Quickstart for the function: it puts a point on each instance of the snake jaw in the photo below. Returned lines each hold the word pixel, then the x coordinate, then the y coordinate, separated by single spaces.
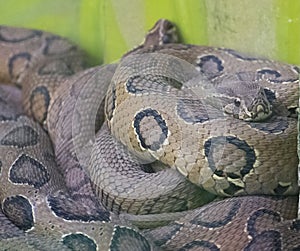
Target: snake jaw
pixel 261 113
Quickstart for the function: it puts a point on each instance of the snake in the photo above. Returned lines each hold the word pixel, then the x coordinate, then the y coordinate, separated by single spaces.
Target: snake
pixel 137 155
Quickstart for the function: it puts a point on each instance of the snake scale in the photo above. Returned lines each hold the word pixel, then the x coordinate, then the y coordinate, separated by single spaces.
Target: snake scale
pixel 179 124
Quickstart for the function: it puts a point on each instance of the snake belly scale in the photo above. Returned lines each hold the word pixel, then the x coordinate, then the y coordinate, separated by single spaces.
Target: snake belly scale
pixel 180 124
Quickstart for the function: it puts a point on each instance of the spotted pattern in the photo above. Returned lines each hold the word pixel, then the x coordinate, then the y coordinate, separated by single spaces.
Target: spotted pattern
pixel 192 111
pixel 56 45
pixel 78 242
pixel 26 170
pixel 9 111
pixel 210 65
pixel 273 76
pixel 39 102
pixel 151 84
pixel 151 129
pixel 277 125
pixel 268 74
pixel 23 136
pixel 58 67
pixel 257 216
pixel 64 207
pixel 125 238
pixel 270 239
pixel 19 210
pixel 173 228
pixel 204 217
pixel 21 58
pixel 131 85
pixel 212 143
pixel 18 37
pixel 267 240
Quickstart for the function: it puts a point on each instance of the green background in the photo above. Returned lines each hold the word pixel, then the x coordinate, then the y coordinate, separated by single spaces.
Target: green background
pixel 108 28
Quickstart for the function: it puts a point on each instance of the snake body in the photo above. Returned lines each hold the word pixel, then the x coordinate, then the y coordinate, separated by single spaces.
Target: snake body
pixel 48 192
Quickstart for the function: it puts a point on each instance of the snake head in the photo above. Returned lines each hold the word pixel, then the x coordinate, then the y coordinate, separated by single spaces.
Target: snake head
pixel 163 32
pixel 248 101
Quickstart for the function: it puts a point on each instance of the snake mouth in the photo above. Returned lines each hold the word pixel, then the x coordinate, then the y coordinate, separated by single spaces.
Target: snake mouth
pixel 258 113
pixel 255 113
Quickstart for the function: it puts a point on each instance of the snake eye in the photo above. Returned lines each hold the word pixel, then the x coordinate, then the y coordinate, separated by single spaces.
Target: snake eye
pixel 237 102
pixel 166 39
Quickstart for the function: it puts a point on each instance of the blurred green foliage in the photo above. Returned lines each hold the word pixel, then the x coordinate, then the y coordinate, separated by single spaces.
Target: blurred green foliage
pixel 108 28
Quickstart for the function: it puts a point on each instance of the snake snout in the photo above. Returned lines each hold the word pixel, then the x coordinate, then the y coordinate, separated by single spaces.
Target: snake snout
pixel 261 111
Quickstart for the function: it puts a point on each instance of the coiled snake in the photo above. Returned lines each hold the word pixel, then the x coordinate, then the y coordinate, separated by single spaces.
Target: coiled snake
pixel 179 120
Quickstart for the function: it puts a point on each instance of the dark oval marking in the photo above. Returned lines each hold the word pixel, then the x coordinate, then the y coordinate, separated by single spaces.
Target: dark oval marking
pixel 56 67
pixel 19 210
pixel 260 213
pixel 51 40
pixel 192 111
pixel 65 207
pixel 131 85
pixel 30 34
pixel 273 76
pixel 268 74
pixel 22 55
pixel 209 210
pixel 274 125
pixel 267 240
pixel 20 137
pixel 201 244
pixel 214 142
pixel 210 65
pixel 151 83
pixel 39 110
pixel 126 237
pixel 155 145
pixel 78 242
pixel 27 170
pixel 169 231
